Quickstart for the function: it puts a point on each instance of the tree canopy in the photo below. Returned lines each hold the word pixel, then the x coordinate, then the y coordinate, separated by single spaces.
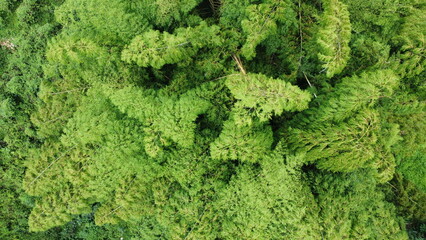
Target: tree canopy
pixel 212 119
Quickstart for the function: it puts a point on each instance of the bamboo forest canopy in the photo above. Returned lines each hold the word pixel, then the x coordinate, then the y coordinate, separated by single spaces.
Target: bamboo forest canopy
pixel 213 119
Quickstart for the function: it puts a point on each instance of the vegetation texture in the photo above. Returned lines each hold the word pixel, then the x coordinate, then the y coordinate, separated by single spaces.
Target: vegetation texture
pixel 212 119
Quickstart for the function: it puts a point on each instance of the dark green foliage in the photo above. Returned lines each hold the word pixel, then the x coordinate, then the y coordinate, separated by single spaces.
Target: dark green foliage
pixel 363 215
pixel 414 168
pixel 409 113
pixel 230 119
pixel 410 199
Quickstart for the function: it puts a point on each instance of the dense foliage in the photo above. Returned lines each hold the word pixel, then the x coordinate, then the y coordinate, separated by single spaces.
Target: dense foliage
pixel 212 119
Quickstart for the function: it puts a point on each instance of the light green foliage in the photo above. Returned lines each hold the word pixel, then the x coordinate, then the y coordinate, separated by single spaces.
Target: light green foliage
pixel 184 196
pixel 94 141
pixel 132 201
pixel 168 12
pixel 178 117
pixel 258 26
pixel 384 161
pixel 165 118
pixel 260 22
pixel 245 143
pixel 271 203
pixel 96 63
pixel 343 147
pixel 380 29
pixel 46 164
pixel 412 38
pixel 349 96
pixel 60 98
pixel 341 127
pixel 50 212
pixel 333 37
pixel 137 103
pixel 175 204
pixel 113 21
pixel 157 49
pixel 263 96
pixel 128 119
